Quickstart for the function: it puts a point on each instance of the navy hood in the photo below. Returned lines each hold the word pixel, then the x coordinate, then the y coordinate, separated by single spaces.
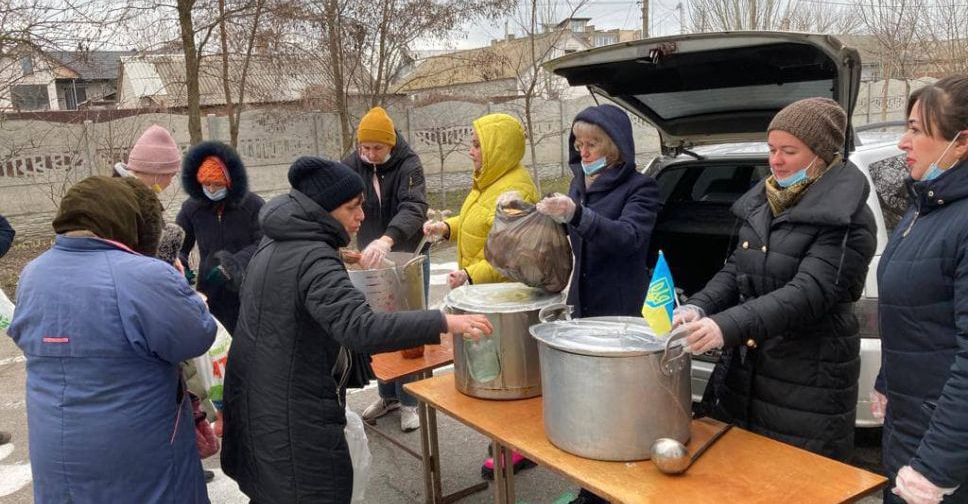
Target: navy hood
pixel 193 160
pixel 617 126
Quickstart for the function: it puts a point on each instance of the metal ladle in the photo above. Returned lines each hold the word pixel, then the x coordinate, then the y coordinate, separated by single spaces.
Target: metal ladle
pixel 672 457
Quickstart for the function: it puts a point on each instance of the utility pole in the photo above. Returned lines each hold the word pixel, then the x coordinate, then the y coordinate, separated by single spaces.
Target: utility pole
pixel 682 18
pixel 645 19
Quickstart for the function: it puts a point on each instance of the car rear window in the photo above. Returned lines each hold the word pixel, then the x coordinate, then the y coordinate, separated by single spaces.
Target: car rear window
pixel 714 183
pixel 889 176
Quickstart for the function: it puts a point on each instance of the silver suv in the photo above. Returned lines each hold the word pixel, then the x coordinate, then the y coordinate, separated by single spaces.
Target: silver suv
pixel 711 97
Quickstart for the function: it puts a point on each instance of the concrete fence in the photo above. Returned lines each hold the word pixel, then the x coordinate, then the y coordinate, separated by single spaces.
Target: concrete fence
pixel 40 160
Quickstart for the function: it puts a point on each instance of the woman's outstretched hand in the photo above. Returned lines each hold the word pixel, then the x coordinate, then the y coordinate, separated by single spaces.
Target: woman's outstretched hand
pixel 473 326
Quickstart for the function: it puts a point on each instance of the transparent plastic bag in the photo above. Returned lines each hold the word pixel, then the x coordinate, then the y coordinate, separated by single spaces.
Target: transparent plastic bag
pixel 6 311
pixel 359 454
pixel 527 246
pixel 210 366
pixel 482 359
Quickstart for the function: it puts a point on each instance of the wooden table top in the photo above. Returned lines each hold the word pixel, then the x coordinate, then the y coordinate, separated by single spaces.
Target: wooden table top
pixel 740 467
pixel 391 366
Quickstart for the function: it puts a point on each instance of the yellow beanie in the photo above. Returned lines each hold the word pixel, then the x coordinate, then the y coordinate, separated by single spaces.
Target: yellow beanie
pixel 376 126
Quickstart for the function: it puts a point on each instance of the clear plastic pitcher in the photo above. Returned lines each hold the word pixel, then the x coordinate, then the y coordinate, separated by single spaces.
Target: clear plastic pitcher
pixel 482 358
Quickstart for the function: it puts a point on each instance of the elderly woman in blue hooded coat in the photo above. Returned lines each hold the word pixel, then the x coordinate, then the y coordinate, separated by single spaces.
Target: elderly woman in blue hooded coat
pixel 610 210
pixel 103 325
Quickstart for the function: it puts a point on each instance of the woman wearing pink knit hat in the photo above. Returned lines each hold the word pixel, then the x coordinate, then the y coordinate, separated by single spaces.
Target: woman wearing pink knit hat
pixel 154 159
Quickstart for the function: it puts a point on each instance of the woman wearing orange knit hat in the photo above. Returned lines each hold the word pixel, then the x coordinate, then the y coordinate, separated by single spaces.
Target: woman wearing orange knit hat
pixel 222 217
pixel 395 208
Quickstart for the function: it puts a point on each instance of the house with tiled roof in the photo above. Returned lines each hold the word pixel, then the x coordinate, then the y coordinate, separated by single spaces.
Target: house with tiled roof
pixel 501 70
pixel 158 81
pixel 32 80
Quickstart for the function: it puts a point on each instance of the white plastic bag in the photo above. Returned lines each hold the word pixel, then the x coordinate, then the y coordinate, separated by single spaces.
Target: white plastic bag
pixel 210 366
pixel 359 453
pixel 6 311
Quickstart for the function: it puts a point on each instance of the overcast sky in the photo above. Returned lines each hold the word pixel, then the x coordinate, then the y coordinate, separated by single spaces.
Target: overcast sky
pixel 605 14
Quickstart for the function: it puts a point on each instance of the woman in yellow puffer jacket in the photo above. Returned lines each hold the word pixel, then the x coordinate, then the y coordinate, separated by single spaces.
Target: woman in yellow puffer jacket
pixel 496 149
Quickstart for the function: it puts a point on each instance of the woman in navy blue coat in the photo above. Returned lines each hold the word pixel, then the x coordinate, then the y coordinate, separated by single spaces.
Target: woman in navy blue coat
pixel 610 211
pixel 923 284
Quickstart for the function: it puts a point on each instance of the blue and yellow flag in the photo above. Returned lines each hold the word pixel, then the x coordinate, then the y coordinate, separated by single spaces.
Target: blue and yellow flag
pixel 661 299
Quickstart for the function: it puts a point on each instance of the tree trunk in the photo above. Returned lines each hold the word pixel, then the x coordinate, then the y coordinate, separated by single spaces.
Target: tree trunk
pixel 192 60
pixel 334 45
pixel 223 35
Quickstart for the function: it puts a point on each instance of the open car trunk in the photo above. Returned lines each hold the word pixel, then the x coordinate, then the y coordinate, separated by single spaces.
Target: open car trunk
pixel 695 228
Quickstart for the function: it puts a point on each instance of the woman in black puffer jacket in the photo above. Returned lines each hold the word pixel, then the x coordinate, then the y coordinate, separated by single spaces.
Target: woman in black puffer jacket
pixel 222 217
pixel 781 308
pixel 284 420
pixel 923 307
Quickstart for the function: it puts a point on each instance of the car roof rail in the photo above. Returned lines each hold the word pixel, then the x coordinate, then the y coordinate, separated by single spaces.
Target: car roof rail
pixel 874 126
pixel 881 124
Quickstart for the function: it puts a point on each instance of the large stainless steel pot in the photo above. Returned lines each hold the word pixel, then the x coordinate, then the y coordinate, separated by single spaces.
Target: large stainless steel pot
pixel 503 365
pixel 611 387
pixel 393 288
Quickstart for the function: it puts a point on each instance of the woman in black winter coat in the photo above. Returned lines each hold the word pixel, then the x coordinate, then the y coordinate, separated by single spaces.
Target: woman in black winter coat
pixel 782 306
pixel 923 307
pixel 300 317
pixel 222 217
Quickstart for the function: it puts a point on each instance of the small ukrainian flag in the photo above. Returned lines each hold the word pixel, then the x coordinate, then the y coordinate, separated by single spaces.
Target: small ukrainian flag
pixel 661 299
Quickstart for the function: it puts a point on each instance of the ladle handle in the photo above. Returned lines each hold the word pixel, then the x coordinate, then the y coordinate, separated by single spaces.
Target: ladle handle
pixel 709 442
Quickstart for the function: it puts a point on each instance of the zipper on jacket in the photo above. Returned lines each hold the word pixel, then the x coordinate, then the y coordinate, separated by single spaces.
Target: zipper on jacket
pixel 917 212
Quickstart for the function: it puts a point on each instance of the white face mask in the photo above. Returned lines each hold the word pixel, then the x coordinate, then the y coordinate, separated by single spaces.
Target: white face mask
pixel 367 160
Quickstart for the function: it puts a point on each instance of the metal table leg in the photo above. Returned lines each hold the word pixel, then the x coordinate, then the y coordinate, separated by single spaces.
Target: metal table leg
pixel 429 496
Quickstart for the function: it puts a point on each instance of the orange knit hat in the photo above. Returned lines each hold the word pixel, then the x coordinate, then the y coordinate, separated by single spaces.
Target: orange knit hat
pixel 212 171
pixel 376 126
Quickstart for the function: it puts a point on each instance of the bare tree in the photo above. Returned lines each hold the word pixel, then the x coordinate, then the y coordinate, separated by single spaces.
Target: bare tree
pixel 894 24
pixel 945 38
pixel 796 15
pixel 533 81
pixel 362 46
pixel 247 30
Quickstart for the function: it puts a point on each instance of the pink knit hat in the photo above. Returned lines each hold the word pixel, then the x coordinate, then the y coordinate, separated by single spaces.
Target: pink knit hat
pixel 155 153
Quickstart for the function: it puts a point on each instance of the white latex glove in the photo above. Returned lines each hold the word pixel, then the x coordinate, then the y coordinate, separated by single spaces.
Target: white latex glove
pixel 878 404
pixel 686 313
pixel 704 335
pixel 914 488
pixel 474 326
pixel 375 252
pixel 435 230
pixel 507 197
pixel 559 207
pixel 456 278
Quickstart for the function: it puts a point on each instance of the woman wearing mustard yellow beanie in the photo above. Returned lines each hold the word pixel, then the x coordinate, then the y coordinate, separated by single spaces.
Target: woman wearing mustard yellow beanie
pixel 395 208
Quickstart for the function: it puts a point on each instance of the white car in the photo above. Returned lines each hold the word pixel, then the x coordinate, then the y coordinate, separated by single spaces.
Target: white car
pixel 711 97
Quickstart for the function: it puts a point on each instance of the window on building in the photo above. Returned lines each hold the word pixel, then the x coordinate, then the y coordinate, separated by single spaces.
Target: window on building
pixel 604 40
pixel 27 65
pixel 33 97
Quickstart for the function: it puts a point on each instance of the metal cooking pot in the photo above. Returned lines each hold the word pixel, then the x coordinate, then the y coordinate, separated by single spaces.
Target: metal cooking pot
pixel 611 387
pixel 503 365
pixel 393 288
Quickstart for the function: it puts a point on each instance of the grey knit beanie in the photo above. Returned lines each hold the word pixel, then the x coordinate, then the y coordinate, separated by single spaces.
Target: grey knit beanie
pixel 821 123
pixel 328 183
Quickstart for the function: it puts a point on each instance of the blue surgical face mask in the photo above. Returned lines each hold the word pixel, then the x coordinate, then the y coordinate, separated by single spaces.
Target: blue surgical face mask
pixel 593 167
pixel 797 177
pixel 217 195
pixel 934 169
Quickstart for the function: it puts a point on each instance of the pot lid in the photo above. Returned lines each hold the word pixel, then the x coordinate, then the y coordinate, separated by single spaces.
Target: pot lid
pixel 500 298
pixel 600 336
